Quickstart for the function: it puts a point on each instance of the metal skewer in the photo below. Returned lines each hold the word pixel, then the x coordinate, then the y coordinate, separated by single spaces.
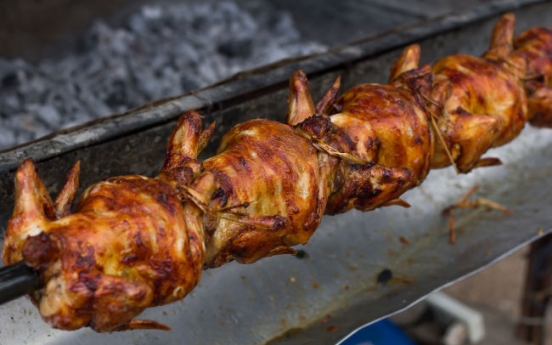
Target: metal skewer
pixel 18 280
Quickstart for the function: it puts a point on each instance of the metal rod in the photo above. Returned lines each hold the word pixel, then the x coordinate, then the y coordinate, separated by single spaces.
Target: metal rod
pixel 17 280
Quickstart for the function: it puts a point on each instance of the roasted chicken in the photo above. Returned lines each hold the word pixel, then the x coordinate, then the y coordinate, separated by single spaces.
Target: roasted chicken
pixel 129 245
pixel 133 242
pixel 533 57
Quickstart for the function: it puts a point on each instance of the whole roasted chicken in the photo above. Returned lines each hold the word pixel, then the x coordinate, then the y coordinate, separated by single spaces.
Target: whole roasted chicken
pixel 134 242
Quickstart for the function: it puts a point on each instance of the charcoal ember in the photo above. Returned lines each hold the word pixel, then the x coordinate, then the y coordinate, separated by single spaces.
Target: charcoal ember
pixel 6 67
pixel 10 103
pixel 158 52
pixel 118 98
pixel 236 48
pixel 8 136
pixel 23 127
pixel 10 80
pixel 48 114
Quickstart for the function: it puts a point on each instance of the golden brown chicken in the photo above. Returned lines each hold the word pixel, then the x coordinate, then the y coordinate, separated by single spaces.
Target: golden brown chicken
pixel 389 125
pixel 357 176
pixel 126 248
pixel 484 105
pixel 268 180
pixel 135 242
pixel 477 102
pixel 533 58
pixel 268 186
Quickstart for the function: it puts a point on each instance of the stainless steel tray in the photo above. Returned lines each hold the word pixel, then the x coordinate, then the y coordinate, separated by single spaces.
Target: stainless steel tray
pixel 321 298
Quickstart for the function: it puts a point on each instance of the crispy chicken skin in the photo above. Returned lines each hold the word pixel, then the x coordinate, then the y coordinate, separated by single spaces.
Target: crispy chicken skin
pixel 485 108
pixel 273 181
pixel 127 247
pixel 133 242
pixel 476 102
pixel 533 50
pixel 274 171
pixel 369 174
pixel 388 127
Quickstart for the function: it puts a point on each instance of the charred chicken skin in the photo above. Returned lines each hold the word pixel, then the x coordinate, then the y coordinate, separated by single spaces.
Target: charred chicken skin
pixel 127 247
pixel 133 242
pixel 533 53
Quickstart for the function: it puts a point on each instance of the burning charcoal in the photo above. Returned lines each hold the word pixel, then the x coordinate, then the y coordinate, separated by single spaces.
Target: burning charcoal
pixel 282 29
pixel 147 83
pixel 152 12
pixel 46 113
pixel 24 136
pixel 137 24
pixel 189 82
pixel 159 52
pixel 239 48
pixel 6 67
pixel 10 80
pixel 118 96
pixel 207 71
pixel 93 105
pixel 27 126
pixel 10 103
pixel 185 52
pixel 7 136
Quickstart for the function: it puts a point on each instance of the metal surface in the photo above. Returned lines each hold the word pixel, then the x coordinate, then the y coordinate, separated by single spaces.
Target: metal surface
pixel 282 300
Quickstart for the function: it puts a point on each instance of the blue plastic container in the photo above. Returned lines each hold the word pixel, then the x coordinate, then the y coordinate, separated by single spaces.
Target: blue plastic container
pixel 383 332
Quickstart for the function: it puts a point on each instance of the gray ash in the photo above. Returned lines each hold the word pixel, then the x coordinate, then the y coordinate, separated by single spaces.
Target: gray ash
pixel 159 52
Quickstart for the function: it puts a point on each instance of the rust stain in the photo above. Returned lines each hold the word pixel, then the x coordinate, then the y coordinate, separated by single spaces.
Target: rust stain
pixel 404 240
pixel 403 280
pixel 392 253
pixel 324 321
pixel 331 328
